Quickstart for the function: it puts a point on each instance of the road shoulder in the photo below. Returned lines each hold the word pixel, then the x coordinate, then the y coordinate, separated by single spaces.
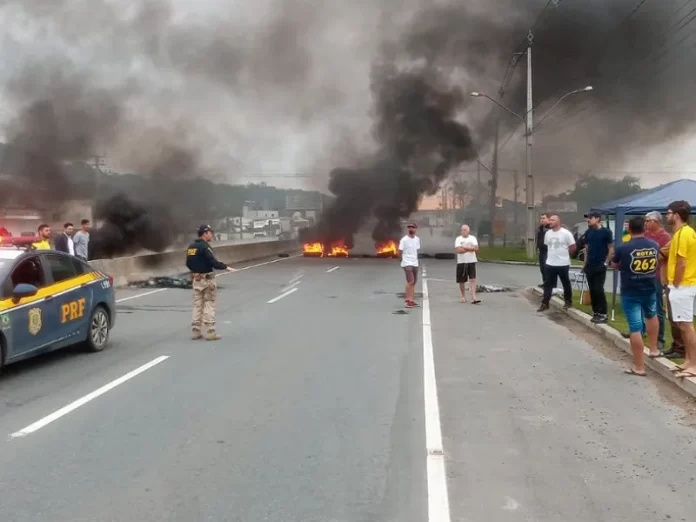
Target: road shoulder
pixel 539 425
pixel 662 366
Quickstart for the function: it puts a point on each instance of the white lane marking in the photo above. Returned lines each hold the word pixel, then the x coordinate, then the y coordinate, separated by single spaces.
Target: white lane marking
pixel 284 294
pixel 438 499
pixel 87 398
pixel 332 269
pixel 511 504
pixel 291 285
pixel 141 295
pixel 297 277
pixel 217 275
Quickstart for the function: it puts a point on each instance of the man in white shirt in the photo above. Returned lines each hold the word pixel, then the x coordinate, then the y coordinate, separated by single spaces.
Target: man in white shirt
pixel 466 247
pixel 408 251
pixel 561 245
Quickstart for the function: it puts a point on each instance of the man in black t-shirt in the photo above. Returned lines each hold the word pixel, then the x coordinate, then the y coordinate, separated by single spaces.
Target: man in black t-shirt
pixel 542 248
pixel 600 243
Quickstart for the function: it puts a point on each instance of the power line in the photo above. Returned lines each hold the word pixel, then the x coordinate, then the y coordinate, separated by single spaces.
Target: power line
pixel 632 71
pixel 517 55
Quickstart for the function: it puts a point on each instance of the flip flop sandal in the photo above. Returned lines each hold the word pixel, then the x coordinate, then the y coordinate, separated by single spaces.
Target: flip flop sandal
pixel 677 369
pixel 656 356
pixel 478 301
pixel 631 371
pixel 685 374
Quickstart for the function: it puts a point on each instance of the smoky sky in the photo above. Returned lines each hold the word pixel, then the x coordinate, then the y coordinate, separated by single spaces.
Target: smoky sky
pixel 176 87
pixel 420 143
pixel 638 63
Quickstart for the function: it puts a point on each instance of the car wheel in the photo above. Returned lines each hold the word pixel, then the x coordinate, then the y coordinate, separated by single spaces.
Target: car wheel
pixel 99 329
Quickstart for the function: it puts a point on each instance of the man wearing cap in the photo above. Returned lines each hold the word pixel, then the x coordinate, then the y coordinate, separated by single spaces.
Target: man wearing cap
pixel 655 231
pixel 600 246
pixel 408 252
pixel 201 261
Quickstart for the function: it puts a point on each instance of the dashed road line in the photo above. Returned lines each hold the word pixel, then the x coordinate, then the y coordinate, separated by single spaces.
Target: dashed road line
pixel 291 285
pixel 284 294
pixel 297 277
pixel 87 398
pixel 332 269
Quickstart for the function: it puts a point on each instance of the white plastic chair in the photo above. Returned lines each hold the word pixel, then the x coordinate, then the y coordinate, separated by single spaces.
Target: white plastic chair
pixel 578 282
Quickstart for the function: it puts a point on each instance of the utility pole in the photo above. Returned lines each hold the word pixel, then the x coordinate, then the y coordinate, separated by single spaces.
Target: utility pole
pixel 494 183
pixel 98 162
pixel 478 194
pixel 529 143
pixel 516 183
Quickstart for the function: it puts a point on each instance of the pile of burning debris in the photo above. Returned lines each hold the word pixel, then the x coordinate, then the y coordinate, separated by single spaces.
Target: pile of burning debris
pixel 317 249
pixel 339 249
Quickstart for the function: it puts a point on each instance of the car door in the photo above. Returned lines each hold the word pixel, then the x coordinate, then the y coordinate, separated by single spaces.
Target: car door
pixel 31 319
pixel 73 298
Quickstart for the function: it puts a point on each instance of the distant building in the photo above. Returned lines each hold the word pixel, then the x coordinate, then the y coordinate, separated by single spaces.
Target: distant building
pixel 253 215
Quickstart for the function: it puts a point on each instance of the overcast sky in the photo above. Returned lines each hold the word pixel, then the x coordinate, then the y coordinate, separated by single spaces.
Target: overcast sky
pixel 270 86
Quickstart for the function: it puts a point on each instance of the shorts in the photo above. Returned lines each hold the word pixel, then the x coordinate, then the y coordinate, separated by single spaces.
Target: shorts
pixel 638 307
pixel 682 302
pixel 465 271
pixel 411 273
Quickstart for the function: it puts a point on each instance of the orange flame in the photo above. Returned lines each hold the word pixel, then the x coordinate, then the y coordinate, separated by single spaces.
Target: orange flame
pixel 313 248
pixel 387 248
pixel 338 250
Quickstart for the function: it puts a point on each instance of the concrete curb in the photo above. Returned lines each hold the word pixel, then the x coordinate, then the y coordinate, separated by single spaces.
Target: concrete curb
pixel 662 366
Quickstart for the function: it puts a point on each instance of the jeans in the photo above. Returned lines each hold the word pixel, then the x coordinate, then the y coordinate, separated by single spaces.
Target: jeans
pixel 596 277
pixel 637 307
pixel 542 265
pixel 660 310
pixel 552 274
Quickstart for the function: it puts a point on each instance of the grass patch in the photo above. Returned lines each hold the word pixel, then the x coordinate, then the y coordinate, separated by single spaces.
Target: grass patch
pixel 498 253
pixel 620 322
pixel 510 253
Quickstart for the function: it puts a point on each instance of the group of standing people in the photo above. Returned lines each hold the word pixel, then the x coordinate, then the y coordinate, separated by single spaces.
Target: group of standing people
pixel 658 278
pixel 465 246
pixel 71 242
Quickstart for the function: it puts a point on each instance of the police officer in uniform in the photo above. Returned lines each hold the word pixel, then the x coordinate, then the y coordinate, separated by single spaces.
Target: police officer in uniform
pixel 201 261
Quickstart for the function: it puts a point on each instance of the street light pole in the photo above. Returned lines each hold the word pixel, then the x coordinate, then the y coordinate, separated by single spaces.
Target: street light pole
pixel 527 119
pixel 529 125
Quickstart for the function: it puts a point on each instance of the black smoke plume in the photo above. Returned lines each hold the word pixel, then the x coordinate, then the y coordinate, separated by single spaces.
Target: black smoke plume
pixel 129 226
pixel 420 142
pixel 64 127
pixel 636 55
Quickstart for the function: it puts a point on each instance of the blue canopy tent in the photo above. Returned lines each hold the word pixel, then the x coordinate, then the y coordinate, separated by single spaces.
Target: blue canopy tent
pixel 657 198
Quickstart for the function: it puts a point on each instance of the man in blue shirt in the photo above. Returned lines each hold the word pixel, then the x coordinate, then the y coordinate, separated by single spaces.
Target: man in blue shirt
pixel 600 243
pixel 637 259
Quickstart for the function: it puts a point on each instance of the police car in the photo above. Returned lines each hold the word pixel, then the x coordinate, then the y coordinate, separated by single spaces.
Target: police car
pixel 50 300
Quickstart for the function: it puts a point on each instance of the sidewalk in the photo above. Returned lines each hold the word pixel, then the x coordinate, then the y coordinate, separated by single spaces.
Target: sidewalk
pixel 538 425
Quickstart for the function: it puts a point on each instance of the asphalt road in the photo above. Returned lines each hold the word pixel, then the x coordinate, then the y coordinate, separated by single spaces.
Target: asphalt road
pixel 311 408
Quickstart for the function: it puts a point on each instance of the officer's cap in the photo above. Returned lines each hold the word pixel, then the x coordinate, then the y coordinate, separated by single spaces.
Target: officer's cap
pixel 203 229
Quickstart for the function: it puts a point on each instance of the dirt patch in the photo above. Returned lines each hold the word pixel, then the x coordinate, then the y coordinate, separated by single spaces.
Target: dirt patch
pixel 667 390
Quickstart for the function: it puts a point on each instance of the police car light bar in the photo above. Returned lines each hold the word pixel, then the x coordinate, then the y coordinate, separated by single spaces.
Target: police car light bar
pixel 22 241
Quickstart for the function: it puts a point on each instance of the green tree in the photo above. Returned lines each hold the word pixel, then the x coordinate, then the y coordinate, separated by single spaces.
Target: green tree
pixel 592 191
